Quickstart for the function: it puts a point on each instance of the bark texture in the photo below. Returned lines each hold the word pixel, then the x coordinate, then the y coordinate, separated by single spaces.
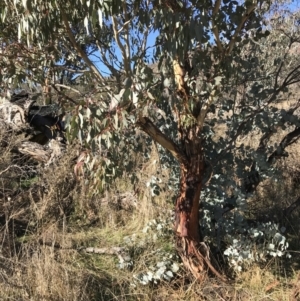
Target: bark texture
pixel 189 153
pixel 193 251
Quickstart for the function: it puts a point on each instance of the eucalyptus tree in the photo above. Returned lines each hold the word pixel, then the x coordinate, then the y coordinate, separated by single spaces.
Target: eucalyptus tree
pixel 217 62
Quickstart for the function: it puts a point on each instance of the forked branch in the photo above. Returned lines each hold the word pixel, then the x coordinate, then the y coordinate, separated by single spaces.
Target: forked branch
pixel 120 45
pixel 80 52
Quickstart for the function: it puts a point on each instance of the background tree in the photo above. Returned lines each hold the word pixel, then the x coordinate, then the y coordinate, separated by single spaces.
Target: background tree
pixel 217 64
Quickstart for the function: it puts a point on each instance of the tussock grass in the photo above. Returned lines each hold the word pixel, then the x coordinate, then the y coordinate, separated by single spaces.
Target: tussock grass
pixel 48 219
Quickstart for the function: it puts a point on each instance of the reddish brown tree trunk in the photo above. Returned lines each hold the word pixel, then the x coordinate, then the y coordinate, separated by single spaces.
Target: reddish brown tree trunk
pixel 191 174
pixel 187 204
pixel 194 253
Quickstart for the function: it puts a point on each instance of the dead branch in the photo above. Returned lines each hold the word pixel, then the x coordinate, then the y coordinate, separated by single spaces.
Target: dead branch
pixel 121 252
pixel 8 110
pixel 9 167
pixel 64 95
pixel 110 251
pixel 46 154
pixel 68 88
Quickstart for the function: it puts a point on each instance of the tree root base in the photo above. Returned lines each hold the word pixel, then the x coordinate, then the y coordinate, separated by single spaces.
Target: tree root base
pixel 195 257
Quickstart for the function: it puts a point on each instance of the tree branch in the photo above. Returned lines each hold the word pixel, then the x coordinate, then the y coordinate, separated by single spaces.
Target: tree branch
pixel 64 95
pixel 68 88
pixel 205 108
pixel 253 178
pixel 288 139
pixel 281 65
pixel 115 72
pixel 214 25
pixel 245 17
pixel 126 28
pixel 273 130
pixel 121 46
pixel 80 52
pixel 150 128
pixel 292 76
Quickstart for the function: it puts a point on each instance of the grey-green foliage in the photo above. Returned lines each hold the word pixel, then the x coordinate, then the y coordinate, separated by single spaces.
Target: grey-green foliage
pixel 162 270
pixel 107 159
pixel 255 244
pixel 248 105
pixel 246 240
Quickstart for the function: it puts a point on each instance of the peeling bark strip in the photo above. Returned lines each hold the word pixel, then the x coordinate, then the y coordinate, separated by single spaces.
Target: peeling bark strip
pixel 191 175
pixel 193 252
pixel 187 204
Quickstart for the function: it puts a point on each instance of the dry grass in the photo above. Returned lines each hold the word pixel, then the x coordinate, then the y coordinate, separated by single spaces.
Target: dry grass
pixel 47 220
